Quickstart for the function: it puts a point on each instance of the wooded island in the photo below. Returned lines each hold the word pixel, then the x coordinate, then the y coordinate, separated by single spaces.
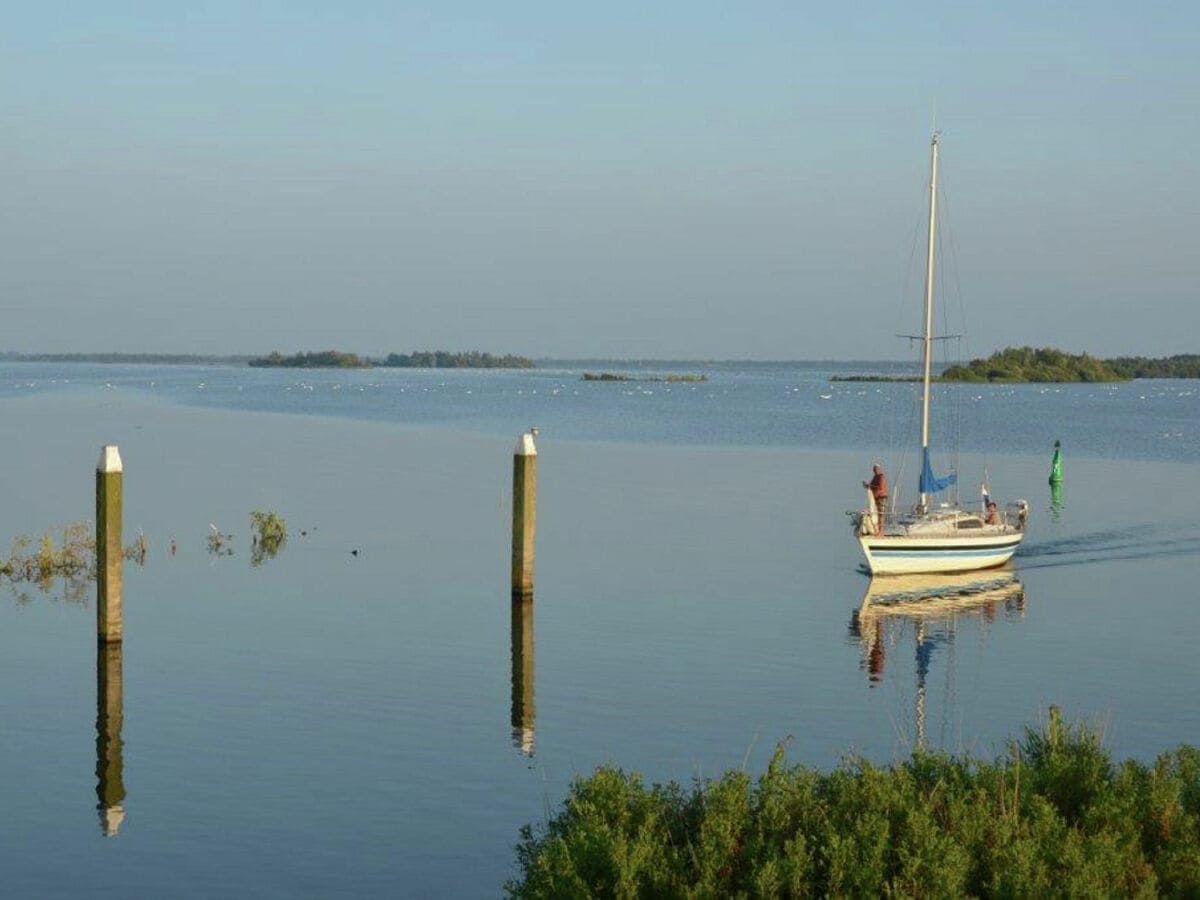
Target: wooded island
pixel 434 359
pixel 1047 364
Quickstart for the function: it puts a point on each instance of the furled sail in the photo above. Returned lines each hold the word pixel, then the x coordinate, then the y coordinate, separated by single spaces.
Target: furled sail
pixel 929 483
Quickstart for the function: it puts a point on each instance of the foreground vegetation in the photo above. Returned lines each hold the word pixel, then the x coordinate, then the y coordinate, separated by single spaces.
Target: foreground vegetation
pixel 1054 817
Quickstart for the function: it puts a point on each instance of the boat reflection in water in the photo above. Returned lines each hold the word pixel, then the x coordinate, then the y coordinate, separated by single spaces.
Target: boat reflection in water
pixel 931 606
pixel 110 715
pixel 522 675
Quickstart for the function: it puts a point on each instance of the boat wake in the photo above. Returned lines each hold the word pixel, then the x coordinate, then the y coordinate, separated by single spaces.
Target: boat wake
pixel 1161 541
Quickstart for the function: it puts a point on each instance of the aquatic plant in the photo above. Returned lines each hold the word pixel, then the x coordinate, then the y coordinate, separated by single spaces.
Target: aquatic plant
pixel 219 543
pixel 73 559
pixel 138 550
pixel 1054 816
pixel 269 534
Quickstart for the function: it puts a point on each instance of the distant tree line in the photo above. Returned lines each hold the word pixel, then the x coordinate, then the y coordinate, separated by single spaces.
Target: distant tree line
pixel 442 359
pixel 439 359
pixel 1184 365
pixel 628 376
pixel 164 359
pixel 325 359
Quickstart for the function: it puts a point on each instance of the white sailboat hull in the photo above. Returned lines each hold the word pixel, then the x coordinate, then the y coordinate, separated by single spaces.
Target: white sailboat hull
pixel 904 554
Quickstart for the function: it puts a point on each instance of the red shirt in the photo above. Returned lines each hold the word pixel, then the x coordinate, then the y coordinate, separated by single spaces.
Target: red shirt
pixel 879 486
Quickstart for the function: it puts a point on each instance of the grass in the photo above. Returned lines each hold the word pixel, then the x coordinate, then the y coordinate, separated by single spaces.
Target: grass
pixel 1055 816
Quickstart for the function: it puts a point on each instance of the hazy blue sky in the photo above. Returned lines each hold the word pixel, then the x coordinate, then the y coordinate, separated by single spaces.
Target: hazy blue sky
pixel 672 180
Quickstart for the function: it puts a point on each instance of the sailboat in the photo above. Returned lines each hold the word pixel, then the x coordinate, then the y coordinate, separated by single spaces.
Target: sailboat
pixel 936 536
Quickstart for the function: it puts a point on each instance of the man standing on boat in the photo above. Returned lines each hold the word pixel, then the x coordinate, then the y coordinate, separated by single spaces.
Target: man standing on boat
pixel 878 487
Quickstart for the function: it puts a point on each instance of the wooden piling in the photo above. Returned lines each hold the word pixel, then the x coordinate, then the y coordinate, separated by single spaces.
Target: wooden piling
pixel 110 715
pixel 109 551
pixel 524 510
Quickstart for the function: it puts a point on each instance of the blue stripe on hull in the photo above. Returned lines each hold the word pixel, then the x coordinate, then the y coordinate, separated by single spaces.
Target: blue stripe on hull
pixel 943 552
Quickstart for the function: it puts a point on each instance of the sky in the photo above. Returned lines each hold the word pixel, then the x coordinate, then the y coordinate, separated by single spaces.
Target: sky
pixel 693 180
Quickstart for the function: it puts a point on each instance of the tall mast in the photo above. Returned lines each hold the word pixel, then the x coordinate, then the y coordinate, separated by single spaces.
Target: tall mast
pixel 927 344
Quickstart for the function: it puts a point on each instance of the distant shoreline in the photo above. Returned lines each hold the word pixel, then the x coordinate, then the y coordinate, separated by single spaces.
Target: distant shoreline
pixel 1126 368
pixel 161 359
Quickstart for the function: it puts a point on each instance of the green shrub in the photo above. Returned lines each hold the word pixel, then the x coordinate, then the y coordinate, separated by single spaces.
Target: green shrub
pixel 1052 818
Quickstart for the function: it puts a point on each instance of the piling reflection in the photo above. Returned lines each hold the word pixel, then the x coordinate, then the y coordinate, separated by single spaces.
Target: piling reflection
pixel 110 784
pixel 522 675
pixel 931 606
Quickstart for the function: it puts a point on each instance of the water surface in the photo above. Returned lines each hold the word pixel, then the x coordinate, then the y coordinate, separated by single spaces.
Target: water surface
pixel 338 723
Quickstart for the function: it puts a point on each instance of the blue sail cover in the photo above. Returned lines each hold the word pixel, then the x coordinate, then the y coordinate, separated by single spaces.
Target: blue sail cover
pixel 930 484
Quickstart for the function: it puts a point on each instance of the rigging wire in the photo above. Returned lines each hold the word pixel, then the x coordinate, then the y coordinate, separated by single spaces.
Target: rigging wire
pixel 964 348
pixel 902 422
pixel 952 295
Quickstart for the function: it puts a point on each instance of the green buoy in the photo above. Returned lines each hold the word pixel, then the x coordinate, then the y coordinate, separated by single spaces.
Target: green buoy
pixel 1056 475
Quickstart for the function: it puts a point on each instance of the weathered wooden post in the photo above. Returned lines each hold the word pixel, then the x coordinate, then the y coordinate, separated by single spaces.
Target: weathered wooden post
pixel 522 675
pixel 110 714
pixel 109 551
pixel 524 508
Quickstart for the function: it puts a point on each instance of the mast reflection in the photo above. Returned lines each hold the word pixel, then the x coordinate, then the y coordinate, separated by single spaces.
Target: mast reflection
pixel 110 714
pixel 522 675
pixel 932 604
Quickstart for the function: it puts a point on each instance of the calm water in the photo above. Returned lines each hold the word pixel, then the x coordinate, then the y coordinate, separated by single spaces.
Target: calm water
pixel 755 405
pixel 332 723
